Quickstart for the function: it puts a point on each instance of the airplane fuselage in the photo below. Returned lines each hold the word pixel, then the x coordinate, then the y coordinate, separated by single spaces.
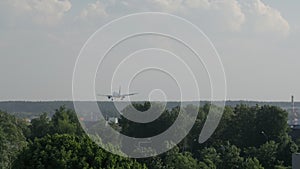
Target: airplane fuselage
pixel 118 95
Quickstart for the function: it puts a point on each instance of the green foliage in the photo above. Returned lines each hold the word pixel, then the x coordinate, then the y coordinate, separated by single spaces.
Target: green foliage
pixel 223 125
pixel 12 139
pixel 153 162
pixel 210 154
pixel 230 156
pixel 142 107
pixel 241 129
pixel 247 137
pixel 252 163
pixel 60 142
pixel 286 147
pixel 176 160
pixel 266 154
pixel 69 151
pixel 253 126
pixel 65 121
pixel 272 121
pixel 250 128
pixel 280 167
pixel 207 164
pixel 40 126
pixel 153 128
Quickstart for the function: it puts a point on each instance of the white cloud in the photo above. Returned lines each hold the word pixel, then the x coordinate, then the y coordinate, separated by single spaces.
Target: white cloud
pixel 233 15
pixel 198 3
pixel 230 14
pixel 226 14
pixel 265 19
pixel 93 10
pixel 48 12
pixel 167 5
pixel 251 16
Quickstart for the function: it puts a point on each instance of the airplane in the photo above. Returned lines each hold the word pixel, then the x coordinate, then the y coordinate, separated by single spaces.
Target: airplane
pixel 117 95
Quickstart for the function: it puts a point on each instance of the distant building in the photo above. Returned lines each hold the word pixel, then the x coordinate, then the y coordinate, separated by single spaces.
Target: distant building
pixel 27 120
pixel 294 120
pixel 113 120
pixel 293 116
pixel 296 161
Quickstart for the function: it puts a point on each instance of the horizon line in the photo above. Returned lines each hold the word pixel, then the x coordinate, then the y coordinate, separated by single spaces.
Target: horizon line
pixel 234 100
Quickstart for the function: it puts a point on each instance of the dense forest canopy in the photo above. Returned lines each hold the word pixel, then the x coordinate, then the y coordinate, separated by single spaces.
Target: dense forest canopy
pixel 247 137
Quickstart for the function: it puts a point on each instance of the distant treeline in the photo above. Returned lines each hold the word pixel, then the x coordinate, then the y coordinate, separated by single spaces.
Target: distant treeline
pixel 36 107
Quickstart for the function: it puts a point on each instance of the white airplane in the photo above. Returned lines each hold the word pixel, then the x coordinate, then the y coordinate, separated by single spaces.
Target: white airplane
pixel 117 95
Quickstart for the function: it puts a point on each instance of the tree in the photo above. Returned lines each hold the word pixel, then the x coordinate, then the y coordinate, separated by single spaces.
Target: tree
pixel 252 163
pixel 176 160
pixel 220 132
pixel 266 154
pixel 65 121
pixel 271 123
pixel 153 162
pixel 69 151
pixel 40 126
pixel 153 128
pixel 230 155
pixel 260 132
pixel 210 155
pixel 281 167
pixel 241 130
pixel 12 139
pixel 286 148
pixel 207 164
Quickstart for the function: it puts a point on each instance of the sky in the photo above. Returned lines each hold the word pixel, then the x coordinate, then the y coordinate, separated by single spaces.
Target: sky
pixel 257 42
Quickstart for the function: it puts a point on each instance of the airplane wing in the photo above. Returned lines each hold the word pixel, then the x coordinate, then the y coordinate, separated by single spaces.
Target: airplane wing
pixel 105 95
pixel 130 94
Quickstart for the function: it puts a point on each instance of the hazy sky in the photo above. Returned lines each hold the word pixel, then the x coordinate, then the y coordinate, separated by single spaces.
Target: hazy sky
pixel 258 43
